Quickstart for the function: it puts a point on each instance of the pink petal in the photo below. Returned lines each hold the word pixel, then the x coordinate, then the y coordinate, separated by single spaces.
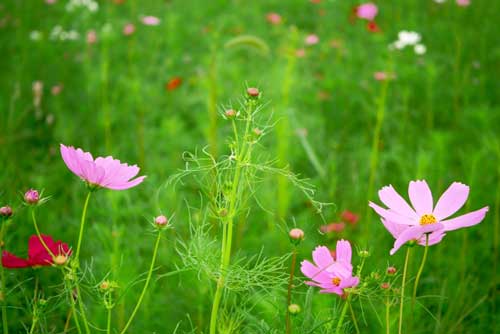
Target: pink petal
pixel 127 185
pixel 395 202
pixel 322 257
pixel 414 233
pixel 451 201
pixel 343 251
pixel 393 228
pixel 420 197
pixel 313 272
pixel 66 154
pixel 392 216
pixel 434 238
pixel 469 219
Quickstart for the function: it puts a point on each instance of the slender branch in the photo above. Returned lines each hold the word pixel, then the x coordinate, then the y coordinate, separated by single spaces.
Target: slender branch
pixel 289 295
pixel 403 283
pixel 342 315
pixel 82 224
pixel 420 270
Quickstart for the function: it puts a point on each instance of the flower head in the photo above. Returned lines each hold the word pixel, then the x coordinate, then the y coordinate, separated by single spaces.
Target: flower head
pixel 349 217
pixel 31 196
pixel 102 172
pixel 332 276
pixel 38 255
pixel 332 227
pixel 407 223
pixel 311 39
pixel 173 83
pixel 161 221
pixel 296 234
pixel 273 18
pixel 128 29
pixel 367 11
pixel 6 211
pixel 150 20
pixel 463 3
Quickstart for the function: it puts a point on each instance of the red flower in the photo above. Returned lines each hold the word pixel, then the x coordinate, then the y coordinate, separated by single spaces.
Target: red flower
pixel 173 83
pixel 37 254
pixel 349 217
pixel 372 27
pixel 332 227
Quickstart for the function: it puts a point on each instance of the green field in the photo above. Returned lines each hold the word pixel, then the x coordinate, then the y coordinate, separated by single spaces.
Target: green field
pixel 342 111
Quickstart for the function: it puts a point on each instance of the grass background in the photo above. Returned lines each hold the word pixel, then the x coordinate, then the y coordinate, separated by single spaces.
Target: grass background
pixel 438 120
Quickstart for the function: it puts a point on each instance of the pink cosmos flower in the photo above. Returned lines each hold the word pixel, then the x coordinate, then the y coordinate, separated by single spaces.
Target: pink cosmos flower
pixel 128 29
pixel 273 18
pixel 150 20
pixel 101 172
pixel 332 276
pixel 463 3
pixel 312 39
pixel 424 217
pixel 367 11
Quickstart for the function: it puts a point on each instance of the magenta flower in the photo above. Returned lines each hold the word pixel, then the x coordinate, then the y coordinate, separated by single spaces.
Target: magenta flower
pixel 101 172
pixel 150 20
pixel 332 276
pixel 367 11
pixel 424 217
pixel 312 39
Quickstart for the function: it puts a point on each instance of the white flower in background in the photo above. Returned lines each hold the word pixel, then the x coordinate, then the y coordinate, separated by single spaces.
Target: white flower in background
pixel 58 33
pixel 439 1
pixel 90 5
pixel 36 35
pixel 420 49
pixel 409 38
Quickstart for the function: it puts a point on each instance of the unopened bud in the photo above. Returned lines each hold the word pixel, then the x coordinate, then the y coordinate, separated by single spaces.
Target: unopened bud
pixel 60 259
pixel 161 220
pixel 294 309
pixel 296 234
pixel 104 285
pixel 258 132
pixel 230 113
pixel 31 196
pixel 391 271
pixel 6 211
pixel 385 285
pixel 364 253
pixel 253 92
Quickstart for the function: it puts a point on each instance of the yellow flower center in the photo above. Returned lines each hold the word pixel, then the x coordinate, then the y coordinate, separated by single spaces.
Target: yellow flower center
pixel 336 281
pixel 60 259
pixel 428 219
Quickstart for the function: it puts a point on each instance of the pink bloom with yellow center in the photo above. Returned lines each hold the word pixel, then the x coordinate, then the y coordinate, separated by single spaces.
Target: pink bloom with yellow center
pixel 102 172
pixel 407 223
pixel 367 11
pixel 331 275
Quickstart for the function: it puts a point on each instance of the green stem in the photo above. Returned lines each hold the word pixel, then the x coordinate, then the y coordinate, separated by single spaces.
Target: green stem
pixel 342 315
pixel 39 235
pixel 146 285
pixel 108 328
pixel 80 304
pixel 69 288
pixel 354 320
pixel 387 315
pixel 5 323
pixel 35 307
pixel 289 295
pixel 405 270
pixel 420 269
pixel 82 224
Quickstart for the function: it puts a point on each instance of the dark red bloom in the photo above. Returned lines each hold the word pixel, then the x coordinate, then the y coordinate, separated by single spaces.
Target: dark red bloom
pixel 37 254
pixel 349 217
pixel 372 27
pixel 173 83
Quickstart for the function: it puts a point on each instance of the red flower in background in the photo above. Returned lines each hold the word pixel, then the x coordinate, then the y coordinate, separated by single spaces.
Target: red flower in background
pixel 349 217
pixel 332 227
pixel 173 83
pixel 372 27
pixel 37 254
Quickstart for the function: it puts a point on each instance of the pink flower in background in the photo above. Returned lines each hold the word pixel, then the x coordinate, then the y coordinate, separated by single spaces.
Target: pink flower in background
pixel 56 89
pixel 150 20
pixel 367 11
pixel 101 172
pixel 349 217
pixel 463 3
pixel 380 76
pixel 91 37
pixel 128 29
pixel 50 2
pixel 300 53
pixel 311 39
pixel 273 18
pixel 332 227
pixel 424 217
pixel 332 276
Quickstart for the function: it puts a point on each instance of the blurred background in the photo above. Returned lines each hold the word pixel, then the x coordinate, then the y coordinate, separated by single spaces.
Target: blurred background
pixel 356 108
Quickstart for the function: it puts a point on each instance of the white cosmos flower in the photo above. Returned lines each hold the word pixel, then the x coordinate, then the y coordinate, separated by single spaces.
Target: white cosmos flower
pixel 409 37
pixel 420 49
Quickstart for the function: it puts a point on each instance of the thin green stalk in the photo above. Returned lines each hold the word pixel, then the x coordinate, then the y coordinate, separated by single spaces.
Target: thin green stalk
pixel 5 322
pixel 82 224
pixel 108 327
pixel 405 270
pixel 342 315
pixel 354 320
pixel 289 295
pixel 80 304
pixel 35 307
pixel 387 316
pixel 39 235
pixel 69 288
pixel 420 269
pixel 146 285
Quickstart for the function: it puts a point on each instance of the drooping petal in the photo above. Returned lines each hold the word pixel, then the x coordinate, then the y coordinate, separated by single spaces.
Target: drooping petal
pixel 469 219
pixel 395 202
pixel 343 251
pixel 434 238
pixel 9 260
pixel 414 233
pixel 420 197
pixel 392 216
pixel 451 201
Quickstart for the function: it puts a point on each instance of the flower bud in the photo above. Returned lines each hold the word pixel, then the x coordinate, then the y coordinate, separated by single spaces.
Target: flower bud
pixel 223 212
pixel 161 221
pixel 104 285
pixel 364 253
pixel 31 196
pixel 391 271
pixel 294 309
pixel 296 234
pixel 253 92
pixel 230 113
pixel 6 211
pixel 385 285
pixel 258 132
